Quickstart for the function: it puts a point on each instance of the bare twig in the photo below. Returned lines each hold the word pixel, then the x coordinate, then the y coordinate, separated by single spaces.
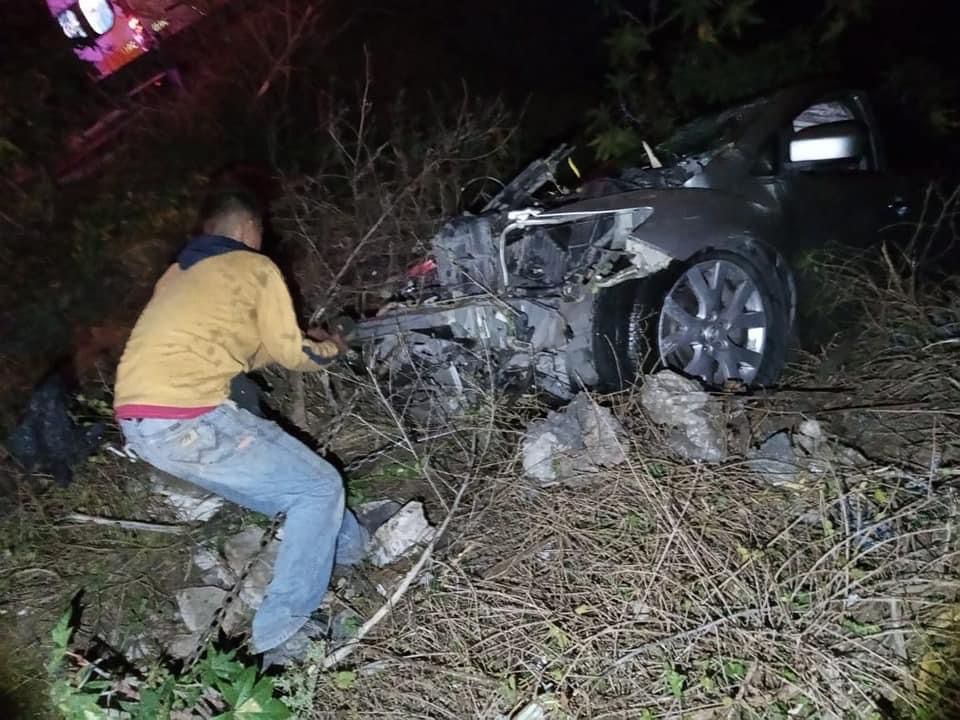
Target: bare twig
pixel 83 519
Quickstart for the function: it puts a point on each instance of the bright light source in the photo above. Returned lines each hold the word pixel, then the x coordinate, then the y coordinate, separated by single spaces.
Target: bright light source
pixel 70 25
pixel 822 149
pixel 99 13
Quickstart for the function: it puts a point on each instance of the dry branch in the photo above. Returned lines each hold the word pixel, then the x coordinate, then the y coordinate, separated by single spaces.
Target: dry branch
pixel 136 525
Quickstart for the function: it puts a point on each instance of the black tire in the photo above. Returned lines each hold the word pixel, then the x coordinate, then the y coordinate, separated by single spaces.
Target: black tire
pixel 627 317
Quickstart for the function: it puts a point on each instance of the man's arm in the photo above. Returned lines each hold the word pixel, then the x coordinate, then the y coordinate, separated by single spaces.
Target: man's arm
pixel 279 332
pixel 165 278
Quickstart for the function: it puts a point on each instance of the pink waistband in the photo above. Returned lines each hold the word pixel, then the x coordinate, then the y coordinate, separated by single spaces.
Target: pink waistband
pixel 159 412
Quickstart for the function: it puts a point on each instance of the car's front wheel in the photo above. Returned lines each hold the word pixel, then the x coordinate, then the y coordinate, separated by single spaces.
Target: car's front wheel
pixel 722 317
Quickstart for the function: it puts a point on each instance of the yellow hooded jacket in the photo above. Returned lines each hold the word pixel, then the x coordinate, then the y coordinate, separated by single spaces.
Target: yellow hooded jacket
pixel 226 313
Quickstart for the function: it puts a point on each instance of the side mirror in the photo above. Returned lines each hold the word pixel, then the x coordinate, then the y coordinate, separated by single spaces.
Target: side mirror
pixel 844 140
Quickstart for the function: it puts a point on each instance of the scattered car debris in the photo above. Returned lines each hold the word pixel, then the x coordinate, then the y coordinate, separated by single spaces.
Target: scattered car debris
pixel 789 458
pixel 581 438
pixel 695 421
pixel 400 534
pixel 775 459
pixel 47 438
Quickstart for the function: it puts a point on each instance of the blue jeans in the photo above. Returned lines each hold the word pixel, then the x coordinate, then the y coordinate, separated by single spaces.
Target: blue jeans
pixel 253 463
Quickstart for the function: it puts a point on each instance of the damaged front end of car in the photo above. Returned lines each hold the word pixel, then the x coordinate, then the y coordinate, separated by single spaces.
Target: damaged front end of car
pixel 507 298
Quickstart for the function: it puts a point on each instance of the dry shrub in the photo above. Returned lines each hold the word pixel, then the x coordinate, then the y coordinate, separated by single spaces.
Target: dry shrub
pixel 663 588
pixel 896 359
pixel 386 182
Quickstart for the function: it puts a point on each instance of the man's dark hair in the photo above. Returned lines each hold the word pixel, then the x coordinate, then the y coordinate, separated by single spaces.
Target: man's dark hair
pixel 226 204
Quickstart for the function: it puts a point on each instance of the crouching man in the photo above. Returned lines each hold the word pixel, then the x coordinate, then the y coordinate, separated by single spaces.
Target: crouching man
pixel 223 309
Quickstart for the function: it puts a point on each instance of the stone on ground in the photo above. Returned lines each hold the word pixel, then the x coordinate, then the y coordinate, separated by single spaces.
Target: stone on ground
pixel 400 534
pixel 581 438
pixel 694 420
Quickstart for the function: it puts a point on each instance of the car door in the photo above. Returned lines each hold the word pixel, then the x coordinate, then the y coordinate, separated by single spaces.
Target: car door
pixel 835 184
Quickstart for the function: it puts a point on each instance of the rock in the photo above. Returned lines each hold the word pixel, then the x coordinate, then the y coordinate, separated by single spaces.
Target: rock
pixel 198 605
pixel 787 458
pixel 132 647
pixel 810 436
pixel 696 421
pixel 137 649
pixel 602 433
pixel 398 535
pixel 239 549
pixel 213 568
pixel 775 459
pixel 371 515
pixel 543 456
pixel 181 646
pixel 823 453
pixel 188 502
pixel 581 438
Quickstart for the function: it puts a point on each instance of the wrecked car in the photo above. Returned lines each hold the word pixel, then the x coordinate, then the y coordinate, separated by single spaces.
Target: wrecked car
pixel 684 263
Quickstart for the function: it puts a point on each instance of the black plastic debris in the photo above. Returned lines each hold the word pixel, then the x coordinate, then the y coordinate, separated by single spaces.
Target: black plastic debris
pixel 48 439
pixel 248 395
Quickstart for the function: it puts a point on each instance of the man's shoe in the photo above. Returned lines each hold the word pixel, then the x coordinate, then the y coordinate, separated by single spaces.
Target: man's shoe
pixel 295 650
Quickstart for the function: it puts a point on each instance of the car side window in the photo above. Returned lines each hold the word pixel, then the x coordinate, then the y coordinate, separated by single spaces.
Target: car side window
pixel 828 136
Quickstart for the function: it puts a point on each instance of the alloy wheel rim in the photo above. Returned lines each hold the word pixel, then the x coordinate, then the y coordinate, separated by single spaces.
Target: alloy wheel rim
pixel 713 324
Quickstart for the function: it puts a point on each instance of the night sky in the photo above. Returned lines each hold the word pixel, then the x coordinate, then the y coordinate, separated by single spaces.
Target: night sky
pixel 551 53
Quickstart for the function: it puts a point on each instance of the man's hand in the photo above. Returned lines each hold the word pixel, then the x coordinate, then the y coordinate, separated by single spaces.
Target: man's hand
pixel 319 334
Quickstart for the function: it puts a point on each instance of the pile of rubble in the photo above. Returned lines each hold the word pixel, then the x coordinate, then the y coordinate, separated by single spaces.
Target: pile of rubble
pixel 696 428
pixel 243 567
pixel 581 439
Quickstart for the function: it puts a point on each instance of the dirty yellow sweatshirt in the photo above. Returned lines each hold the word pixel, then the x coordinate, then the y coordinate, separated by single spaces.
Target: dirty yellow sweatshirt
pixel 221 312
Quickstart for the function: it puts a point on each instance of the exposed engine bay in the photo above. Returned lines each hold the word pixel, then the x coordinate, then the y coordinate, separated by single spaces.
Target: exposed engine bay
pixel 508 294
